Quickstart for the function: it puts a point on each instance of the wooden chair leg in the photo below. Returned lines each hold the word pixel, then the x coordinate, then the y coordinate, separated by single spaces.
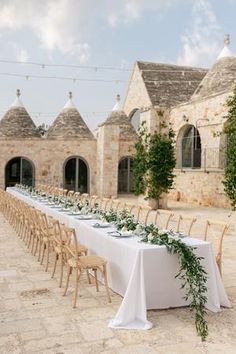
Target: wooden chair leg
pixel 40 250
pixel 96 278
pixel 106 282
pixel 61 270
pixel 47 261
pixel 77 277
pixel 29 239
pixel 55 266
pixel 67 280
pixel 33 243
pixel 44 246
pixel 88 276
pixel 36 246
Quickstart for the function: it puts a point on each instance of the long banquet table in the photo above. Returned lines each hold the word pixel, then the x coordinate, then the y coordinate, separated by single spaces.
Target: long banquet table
pixel 143 274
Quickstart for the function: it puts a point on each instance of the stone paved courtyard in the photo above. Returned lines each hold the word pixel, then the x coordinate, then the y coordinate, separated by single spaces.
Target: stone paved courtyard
pixel 35 318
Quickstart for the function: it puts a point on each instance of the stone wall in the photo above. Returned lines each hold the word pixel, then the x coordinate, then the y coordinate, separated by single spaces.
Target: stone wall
pixel 48 157
pixel 107 160
pixel 137 96
pixel 204 185
pixel 199 187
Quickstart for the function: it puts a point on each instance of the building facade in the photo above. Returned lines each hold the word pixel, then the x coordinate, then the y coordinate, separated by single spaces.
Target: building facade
pixel 192 100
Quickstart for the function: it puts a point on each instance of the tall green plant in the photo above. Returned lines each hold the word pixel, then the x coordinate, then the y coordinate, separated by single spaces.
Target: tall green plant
pixel 154 163
pixel 230 170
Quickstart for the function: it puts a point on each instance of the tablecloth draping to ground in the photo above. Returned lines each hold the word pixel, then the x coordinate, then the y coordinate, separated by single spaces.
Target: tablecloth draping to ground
pixel 143 274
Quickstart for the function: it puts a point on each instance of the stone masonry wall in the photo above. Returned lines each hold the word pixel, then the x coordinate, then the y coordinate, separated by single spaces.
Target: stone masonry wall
pixel 137 96
pixel 198 187
pixel 48 157
pixel 202 186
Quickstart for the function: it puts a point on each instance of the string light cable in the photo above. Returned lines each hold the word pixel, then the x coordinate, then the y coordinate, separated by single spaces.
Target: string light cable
pixel 116 81
pixel 111 68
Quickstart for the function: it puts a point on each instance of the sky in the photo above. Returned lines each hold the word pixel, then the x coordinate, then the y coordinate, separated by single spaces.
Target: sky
pixel 102 39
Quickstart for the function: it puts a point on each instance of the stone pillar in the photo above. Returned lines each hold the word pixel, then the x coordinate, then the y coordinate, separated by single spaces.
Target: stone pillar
pixel 107 160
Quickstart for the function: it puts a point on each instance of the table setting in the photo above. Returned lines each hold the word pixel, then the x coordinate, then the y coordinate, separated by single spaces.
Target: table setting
pixel 136 254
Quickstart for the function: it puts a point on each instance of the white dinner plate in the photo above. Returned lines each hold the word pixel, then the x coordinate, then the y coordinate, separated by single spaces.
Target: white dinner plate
pixel 101 225
pixel 84 217
pixel 121 234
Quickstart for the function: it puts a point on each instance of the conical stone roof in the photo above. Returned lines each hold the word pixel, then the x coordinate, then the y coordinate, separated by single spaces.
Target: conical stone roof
pixel 221 78
pixel 17 123
pixel 118 117
pixel 69 124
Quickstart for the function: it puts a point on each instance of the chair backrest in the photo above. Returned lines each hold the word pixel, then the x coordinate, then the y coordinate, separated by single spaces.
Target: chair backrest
pixel 84 197
pixel 92 201
pixel 103 203
pixel 71 246
pixel 77 196
pixel 115 204
pixel 128 206
pixel 162 218
pixel 214 232
pixel 70 194
pixel 185 224
pixel 135 211
pixel 144 214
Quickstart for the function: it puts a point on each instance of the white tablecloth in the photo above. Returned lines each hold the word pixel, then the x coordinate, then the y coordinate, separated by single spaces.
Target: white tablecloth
pixel 143 274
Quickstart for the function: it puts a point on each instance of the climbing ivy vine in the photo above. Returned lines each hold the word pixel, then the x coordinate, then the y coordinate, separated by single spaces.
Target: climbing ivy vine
pixel 154 162
pixel 230 170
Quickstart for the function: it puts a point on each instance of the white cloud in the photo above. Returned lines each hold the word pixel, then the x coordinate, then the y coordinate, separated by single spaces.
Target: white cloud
pixel 56 23
pixel 128 11
pixel 203 40
pixel 22 55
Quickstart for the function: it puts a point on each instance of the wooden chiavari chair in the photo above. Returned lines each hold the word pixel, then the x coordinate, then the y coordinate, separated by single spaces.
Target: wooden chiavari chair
pixel 162 218
pixel 185 224
pixel 78 264
pixel 62 237
pixel 215 231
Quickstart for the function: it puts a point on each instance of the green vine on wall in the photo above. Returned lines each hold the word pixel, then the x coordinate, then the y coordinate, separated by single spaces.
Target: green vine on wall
pixel 154 163
pixel 230 170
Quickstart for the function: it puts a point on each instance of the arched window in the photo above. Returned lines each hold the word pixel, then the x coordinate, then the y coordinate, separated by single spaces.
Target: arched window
pixel 135 118
pixel 191 148
pixel 125 175
pixel 19 170
pixel 76 175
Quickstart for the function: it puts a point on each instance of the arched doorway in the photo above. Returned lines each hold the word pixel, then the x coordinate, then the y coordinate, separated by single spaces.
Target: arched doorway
pixel 76 175
pixel 191 148
pixel 19 170
pixel 125 175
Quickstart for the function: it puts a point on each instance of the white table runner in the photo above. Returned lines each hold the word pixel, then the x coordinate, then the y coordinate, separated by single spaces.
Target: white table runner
pixel 143 274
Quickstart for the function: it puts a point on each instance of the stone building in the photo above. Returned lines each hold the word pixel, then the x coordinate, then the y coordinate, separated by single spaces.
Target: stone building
pixel 69 155
pixel 192 100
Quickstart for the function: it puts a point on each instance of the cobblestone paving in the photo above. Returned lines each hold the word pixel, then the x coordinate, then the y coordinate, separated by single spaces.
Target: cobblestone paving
pixel 35 318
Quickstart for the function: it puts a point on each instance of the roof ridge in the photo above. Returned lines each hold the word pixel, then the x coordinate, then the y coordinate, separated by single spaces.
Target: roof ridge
pixel 169 64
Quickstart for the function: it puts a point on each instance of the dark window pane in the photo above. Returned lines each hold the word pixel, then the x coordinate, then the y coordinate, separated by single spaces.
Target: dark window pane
pixel 83 177
pixel 191 148
pixel 70 174
pixel 125 176
pixel 27 172
pixel 76 175
pixel 19 170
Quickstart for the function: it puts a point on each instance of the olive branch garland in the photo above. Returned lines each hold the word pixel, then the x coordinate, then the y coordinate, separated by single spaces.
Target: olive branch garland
pixel 191 273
